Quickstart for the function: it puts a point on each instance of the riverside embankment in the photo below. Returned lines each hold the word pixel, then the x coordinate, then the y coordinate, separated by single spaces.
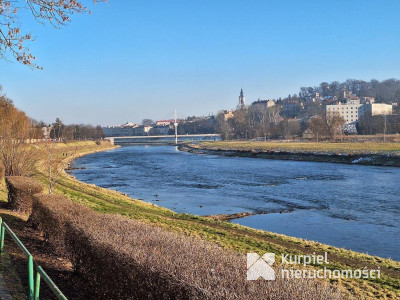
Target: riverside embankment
pixel 281 196
pixel 368 153
pixel 230 236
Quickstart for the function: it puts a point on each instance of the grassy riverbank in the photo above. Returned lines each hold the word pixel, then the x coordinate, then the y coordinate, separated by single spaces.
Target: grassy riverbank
pixel 306 147
pixel 238 238
pixel 361 153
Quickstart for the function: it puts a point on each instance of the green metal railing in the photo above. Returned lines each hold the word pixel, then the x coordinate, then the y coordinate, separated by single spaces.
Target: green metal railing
pixel 56 291
pixel 33 292
pixel 4 229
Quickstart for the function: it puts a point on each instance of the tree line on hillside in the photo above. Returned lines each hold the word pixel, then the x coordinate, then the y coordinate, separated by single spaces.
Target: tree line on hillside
pixel 296 113
pixel 293 115
pixel 386 91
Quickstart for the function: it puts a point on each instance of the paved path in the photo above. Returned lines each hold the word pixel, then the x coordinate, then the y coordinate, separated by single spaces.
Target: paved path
pixel 4 293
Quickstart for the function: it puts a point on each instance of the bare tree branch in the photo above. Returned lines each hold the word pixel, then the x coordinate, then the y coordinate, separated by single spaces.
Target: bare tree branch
pixel 12 40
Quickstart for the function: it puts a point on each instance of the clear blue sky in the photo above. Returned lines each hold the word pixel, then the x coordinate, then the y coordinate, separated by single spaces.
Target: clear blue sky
pixel 131 60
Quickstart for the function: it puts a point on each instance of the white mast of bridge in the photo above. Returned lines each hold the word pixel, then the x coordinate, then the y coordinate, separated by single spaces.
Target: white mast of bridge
pixel 176 129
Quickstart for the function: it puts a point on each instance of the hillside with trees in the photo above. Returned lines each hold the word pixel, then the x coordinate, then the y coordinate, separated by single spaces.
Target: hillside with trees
pixel 289 117
pixel 386 91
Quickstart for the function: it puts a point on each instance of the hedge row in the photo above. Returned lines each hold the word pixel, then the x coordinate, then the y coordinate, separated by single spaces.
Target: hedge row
pixel 129 259
pixel 20 192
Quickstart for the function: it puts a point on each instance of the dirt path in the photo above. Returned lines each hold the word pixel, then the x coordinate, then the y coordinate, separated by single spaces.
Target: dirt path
pixel 57 266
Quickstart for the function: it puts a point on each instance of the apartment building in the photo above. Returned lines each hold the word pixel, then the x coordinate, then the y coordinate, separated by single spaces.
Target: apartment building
pixel 353 110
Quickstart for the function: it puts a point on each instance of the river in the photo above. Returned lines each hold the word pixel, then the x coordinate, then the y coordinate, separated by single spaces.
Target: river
pixel 350 206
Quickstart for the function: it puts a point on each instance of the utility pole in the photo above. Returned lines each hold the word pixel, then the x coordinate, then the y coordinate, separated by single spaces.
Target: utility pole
pixel 176 129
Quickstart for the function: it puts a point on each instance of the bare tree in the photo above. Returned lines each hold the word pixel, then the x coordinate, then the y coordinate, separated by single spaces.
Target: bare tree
pixel 326 127
pixel 12 40
pixel 17 156
pixel 335 124
pixel 240 124
pixel 318 127
pixel 223 127
pixel 290 128
pixel 52 164
pixel 56 163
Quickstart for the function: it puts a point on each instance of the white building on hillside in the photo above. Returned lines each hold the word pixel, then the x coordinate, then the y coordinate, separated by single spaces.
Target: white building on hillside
pixel 377 109
pixel 350 111
pixel 353 110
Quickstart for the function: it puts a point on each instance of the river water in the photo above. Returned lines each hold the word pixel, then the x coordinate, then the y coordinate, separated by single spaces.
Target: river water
pixel 350 206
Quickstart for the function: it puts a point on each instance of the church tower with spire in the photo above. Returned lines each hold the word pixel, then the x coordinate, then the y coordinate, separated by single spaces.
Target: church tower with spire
pixel 242 101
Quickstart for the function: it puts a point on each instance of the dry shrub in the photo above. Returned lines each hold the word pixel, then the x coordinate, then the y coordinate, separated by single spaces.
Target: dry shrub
pixel 128 259
pixel 20 192
pixel 50 214
pixel 2 171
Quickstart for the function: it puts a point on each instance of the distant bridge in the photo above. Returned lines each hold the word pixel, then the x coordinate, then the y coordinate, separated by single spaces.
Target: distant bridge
pixel 148 139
